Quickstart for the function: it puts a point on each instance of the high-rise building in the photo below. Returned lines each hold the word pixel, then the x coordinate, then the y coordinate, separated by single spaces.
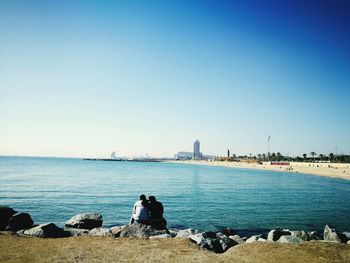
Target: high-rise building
pixel 196 150
pixel 113 155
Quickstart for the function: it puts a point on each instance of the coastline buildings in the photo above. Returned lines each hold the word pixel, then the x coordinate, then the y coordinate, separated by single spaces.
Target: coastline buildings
pixel 184 156
pixel 113 155
pixel 195 155
pixel 196 150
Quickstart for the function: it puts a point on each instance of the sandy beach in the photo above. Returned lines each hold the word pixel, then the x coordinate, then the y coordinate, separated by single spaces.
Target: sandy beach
pixel 336 170
pixel 100 249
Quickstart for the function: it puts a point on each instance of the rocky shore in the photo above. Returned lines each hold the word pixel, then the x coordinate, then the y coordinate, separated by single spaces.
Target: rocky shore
pixel 90 225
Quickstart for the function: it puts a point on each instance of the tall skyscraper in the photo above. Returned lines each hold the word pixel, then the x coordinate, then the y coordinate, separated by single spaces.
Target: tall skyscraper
pixel 113 155
pixel 196 150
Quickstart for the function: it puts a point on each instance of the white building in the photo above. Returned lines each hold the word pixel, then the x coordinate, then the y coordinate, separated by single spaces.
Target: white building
pixel 113 155
pixel 196 150
pixel 184 155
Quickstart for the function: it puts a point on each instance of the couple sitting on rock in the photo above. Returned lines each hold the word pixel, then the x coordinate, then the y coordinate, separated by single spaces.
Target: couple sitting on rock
pixel 148 212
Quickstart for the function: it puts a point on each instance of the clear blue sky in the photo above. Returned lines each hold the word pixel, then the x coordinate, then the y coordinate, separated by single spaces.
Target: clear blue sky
pixel 83 78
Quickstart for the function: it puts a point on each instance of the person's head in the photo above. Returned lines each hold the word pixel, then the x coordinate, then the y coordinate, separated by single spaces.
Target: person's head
pixel 151 198
pixel 142 197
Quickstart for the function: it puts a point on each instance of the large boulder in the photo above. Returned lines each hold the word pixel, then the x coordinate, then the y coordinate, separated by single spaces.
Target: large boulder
pixel 186 232
pixel 216 242
pixel 225 241
pixel 101 232
pixel 141 230
pixel 5 215
pixel 290 239
pixel 173 231
pixel 49 230
pixel 228 231
pixel 330 234
pixel 254 239
pixel 116 230
pixel 237 239
pixel 347 235
pixel 19 221
pixel 85 221
pixel 275 234
pixel 314 235
pixel 300 234
pixel 77 231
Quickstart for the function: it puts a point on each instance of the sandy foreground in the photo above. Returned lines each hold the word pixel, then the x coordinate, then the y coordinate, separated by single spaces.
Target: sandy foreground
pixel 107 249
pixel 337 170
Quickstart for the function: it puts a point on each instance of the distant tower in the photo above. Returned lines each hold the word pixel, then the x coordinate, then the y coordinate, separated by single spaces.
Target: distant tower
pixel 228 153
pixel 196 150
pixel 113 155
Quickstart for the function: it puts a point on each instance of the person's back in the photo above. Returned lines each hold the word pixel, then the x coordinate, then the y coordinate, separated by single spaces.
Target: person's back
pixel 156 211
pixel 140 211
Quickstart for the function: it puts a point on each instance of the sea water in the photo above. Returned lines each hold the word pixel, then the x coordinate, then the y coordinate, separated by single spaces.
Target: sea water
pixel 201 197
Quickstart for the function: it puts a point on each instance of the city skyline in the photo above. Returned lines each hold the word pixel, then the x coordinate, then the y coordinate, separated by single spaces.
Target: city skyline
pixel 82 78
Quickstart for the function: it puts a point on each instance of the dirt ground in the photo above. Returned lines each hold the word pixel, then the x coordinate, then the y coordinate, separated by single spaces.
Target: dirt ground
pixel 102 249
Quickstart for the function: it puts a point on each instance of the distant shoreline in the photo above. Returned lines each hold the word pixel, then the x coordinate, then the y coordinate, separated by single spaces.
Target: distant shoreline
pixel 334 170
pixel 152 160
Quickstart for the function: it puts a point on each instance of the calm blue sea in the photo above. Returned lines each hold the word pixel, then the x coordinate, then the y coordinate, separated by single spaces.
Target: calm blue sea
pixel 202 197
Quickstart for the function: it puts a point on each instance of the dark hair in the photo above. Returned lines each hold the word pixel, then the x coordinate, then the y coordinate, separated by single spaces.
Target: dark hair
pixel 142 197
pixel 152 198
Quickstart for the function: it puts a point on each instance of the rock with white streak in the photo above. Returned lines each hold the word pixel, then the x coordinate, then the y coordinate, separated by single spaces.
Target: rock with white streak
pixel 186 232
pixel 290 239
pixel 85 221
pixel 101 232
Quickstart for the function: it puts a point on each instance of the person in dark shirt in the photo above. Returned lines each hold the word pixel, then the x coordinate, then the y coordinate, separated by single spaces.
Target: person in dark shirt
pixel 156 211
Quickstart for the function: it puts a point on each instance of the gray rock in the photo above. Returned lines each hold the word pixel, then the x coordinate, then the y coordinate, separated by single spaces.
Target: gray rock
pixel 290 239
pixel 330 234
pixel 173 232
pixel 213 244
pixel 197 238
pixel 237 239
pixel 228 231
pixel 85 220
pixel 216 242
pixel 116 230
pixel 77 231
pixel 275 234
pixel 5 215
pixel 186 232
pixel 347 235
pixel 314 235
pixel 225 241
pixel 260 239
pixel 21 233
pixel 19 221
pixel 46 230
pixel 254 239
pixel 101 232
pixel 348 242
pixel 161 236
pixel 300 234
pixel 141 230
